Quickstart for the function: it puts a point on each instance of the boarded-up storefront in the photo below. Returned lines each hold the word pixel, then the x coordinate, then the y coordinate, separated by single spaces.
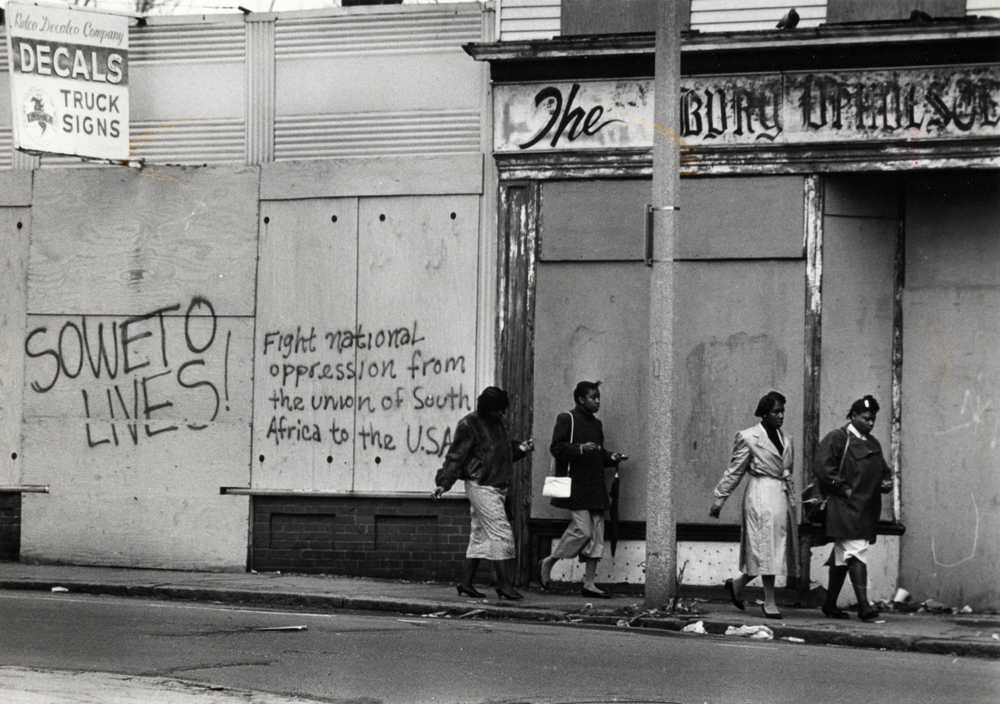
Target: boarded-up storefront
pixel 832 241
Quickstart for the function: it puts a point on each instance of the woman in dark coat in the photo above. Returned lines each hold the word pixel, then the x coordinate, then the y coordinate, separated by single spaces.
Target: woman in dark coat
pixel 853 475
pixel 578 448
pixel 482 453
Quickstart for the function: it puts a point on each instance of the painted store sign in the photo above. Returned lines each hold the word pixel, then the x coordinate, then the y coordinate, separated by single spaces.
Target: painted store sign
pixel 788 108
pixel 69 81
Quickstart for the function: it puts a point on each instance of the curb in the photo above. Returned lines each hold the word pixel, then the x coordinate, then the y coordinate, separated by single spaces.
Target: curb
pixel 811 636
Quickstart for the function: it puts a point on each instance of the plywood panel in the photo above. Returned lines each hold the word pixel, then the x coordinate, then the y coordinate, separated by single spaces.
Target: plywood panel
pixel 417 271
pixel 965 255
pixel 15 229
pixel 589 321
pixel 747 341
pixel 950 443
pixel 858 260
pixel 594 220
pixel 123 242
pixel 146 447
pixel 727 218
pixel 15 188
pixel 307 288
pixel 374 176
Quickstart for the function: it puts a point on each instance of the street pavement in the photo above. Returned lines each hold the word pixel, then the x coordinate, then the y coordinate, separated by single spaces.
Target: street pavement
pixel 973 635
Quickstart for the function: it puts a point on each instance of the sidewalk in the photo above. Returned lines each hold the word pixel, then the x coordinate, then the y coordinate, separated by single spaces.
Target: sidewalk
pixel 974 635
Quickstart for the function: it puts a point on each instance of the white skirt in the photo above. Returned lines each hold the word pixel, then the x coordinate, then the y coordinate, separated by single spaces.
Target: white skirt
pixel 491 537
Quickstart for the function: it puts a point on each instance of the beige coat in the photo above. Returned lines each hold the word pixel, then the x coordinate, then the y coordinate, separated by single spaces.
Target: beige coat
pixel 768 537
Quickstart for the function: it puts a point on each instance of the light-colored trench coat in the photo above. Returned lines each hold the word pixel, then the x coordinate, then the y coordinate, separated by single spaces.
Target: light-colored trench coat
pixel 768 536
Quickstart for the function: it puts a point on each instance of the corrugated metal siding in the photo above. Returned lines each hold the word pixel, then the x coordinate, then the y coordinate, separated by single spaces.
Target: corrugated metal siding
pixel 745 15
pixel 6 148
pixel 376 134
pixel 4 61
pixel 987 8
pixel 185 142
pixel 528 19
pixel 161 43
pixel 409 32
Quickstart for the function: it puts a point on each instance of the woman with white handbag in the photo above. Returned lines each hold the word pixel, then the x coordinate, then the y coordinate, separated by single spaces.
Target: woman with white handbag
pixel 579 452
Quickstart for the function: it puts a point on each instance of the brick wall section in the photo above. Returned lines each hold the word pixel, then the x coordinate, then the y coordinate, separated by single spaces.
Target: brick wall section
pixel 10 526
pixel 371 537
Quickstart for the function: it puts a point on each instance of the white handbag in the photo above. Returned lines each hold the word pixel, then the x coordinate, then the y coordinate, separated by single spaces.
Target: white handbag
pixel 559 487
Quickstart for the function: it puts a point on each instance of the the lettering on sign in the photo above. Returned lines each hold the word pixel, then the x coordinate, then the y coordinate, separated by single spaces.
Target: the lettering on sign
pixel 566 118
pixel 127 378
pixel 736 111
pixel 385 389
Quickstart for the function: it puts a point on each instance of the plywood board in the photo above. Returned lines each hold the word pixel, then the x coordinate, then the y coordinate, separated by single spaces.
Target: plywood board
pixel 120 241
pixel 858 257
pixel 384 176
pixel 594 220
pixel 737 217
pixel 304 393
pixel 15 229
pixel 145 448
pixel 589 319
pixel 15 186
pixel 417 280
pixel 748 340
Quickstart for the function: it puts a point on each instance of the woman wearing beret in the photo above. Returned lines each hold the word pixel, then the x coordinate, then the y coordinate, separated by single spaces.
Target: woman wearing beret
pixel 853 475
pixel 767 535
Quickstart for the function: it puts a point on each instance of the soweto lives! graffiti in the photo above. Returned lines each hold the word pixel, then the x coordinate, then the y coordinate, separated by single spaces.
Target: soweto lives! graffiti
pixel 128 378
pixel 383 388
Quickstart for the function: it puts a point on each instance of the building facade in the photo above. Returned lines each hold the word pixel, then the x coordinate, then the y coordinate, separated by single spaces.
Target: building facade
pixel 248 349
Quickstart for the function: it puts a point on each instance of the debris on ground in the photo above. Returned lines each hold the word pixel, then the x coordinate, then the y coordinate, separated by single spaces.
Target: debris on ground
pixel 474 612
pixel 793 639
pixel 434 614
pixel 935 607
pixel 696 627
pixel 60 589
pixel 281 628
pixel 755 632
pixel 965 609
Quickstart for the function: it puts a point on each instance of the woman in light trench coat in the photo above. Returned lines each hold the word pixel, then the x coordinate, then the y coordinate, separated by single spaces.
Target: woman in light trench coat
pixel 767 537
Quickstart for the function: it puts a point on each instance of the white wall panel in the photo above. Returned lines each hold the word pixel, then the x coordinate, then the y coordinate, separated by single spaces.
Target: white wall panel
pixel 988 8
pixel 522 20
pixel 745 15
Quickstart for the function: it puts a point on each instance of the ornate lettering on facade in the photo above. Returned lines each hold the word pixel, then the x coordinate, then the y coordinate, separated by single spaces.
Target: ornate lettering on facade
pixel 778 109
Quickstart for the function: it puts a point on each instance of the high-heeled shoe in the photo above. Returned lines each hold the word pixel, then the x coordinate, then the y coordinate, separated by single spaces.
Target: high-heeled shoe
pixel 510 594
pixel 736 601
pixel 469 591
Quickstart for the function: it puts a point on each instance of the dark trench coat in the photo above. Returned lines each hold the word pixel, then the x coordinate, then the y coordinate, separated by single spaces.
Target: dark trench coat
pixel 863 469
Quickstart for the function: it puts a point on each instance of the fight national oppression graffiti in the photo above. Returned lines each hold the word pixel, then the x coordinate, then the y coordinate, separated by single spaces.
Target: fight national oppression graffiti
pixel 385 389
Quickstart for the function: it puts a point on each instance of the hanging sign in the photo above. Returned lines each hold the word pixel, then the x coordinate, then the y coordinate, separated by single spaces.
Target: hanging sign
pixel 68 81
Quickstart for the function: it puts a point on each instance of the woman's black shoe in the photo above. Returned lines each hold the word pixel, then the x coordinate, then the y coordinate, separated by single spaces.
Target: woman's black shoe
pixel 509 594
pixel 867 613
pixel 738 603
pixel 834 612
pixel 586 591
pixel 469 591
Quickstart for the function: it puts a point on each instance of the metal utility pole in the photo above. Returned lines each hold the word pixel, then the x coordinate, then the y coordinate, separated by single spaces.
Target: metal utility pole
pixel 661 526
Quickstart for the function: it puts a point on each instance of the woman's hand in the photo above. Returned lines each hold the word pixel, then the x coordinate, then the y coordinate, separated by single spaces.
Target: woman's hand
pixel 617 457
pixel 527 446
pixel 438 492
pixel 716 508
